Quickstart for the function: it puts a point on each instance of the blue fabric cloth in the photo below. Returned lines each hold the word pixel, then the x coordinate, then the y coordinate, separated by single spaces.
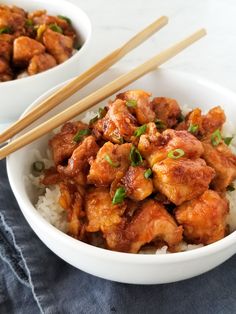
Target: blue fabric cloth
pixel 34 280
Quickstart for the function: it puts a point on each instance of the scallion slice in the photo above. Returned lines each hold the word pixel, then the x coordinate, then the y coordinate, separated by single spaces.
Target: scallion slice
pixel 230 188
pixel 5 30
pixel 119 196
pixel 80 134
pixel 160 124
pixel 93 120
pixel 228 140
pixel 193 128
pixel 131 103
pixel 216 138
pixel 29 23
pixel 54 27
pixel 102 112
pixel 141 130
pixel 135 157
pixel 65 18
pixel 148 173
pixel 176 153
pixel 111 162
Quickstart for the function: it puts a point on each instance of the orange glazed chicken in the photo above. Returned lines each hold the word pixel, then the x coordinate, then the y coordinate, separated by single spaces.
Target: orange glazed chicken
pixel 139 175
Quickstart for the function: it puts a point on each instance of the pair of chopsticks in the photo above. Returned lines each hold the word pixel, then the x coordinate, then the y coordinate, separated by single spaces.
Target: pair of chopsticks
pixel 97 96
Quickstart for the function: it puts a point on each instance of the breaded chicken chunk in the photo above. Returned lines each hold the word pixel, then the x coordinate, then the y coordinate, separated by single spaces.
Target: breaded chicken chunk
pixel 203 218
pixel 40 63
pixel 150 222
pixel 111 161
pixel 167 110
pixel 223 161
pixel 182 179
pixel 138 102
pixel 137 186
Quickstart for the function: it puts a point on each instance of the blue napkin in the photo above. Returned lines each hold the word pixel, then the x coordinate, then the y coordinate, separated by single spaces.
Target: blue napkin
pixel 34 280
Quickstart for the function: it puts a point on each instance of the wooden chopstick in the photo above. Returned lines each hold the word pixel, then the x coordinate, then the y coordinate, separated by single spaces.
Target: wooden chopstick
pixel 100 94
pixel 82 80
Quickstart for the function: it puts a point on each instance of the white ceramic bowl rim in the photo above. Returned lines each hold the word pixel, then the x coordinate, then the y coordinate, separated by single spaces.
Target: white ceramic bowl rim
pixel 71 59
pixel 128 257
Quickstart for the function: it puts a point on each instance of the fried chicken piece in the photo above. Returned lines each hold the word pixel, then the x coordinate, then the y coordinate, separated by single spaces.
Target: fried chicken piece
pixel 40 63
pixel 223 161
pixel 5 71
pixel 182 179
pixel 6 46
pixel 141 105
pixel 167 110
pixel 71 199
pixel 79 160
pixel 24 48
pixel 206 124
pixel 118 123
pixel 13 18
pixel 111 161
pixel 100 211
pixel 58 45
pixel 136 185
pixel 156 148
pixel 150 222
pixel 203 218
pixel 62 144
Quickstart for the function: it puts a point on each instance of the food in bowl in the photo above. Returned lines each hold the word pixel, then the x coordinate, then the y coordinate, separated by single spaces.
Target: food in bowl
pixel 141 177
pixel 34 42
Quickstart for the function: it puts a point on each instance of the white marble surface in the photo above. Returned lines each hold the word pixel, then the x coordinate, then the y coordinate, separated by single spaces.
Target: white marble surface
pixel 214 57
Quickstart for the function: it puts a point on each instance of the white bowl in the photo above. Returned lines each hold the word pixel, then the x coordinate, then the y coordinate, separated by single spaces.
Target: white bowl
pixel 124 267
pixel 16 95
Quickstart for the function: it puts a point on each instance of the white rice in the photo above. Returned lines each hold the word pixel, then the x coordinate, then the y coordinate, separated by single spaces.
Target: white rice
pixel 48 205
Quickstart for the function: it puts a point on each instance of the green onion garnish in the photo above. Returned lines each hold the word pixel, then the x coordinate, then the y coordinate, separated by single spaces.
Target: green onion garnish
pixel 29 22
pixel 111 162
pixel 160 124
pixel 131 103
pixel 135 157
pixel 230 188
pixel 193 128
pixel 5 30
pixel 38 167
pixel 80 134
pixel 216 138
pixel 78 47
pixel 54 27
pixel 102 112
pixel 65 18
pixel 93 120
pixel 181 118
pixel 148 173
pixel 176 153
pixel 141 130
pixel 119 196
pixel 228 140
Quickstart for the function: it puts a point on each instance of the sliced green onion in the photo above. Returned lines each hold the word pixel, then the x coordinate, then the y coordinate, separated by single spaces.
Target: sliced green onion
pixel 181 118
pixel 111 162
pixel 102 112
pixel 80 134
pixel 131 103
pixel 78 47
pixel 54 27
pixel 5 30
pixel 176 153
pixel 29 22
pixel 38 167
pixel 65 18
pixel 135 157
pixel 230 188
pixel 148 173
pixel 141 130
pixel 193 128
pixel 93 120
pixel 228 140
pixel 160 124
pixel 216 138
pixel 119 196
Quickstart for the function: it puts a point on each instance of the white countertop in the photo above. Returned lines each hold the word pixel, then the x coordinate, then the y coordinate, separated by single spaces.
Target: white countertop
pixel 213 57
